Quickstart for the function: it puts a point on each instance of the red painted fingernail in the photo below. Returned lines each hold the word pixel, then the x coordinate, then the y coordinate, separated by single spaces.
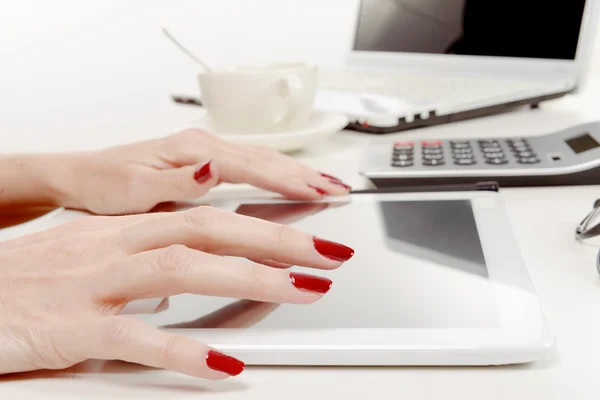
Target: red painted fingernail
pixel 319 190
pixel 224 363
pixel 203 173
pixel 330 177
pixel 333 250
pixel 311 283
pixel 339 183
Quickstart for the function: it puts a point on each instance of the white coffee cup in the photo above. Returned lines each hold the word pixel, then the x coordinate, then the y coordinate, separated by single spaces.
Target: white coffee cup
pixel 259 99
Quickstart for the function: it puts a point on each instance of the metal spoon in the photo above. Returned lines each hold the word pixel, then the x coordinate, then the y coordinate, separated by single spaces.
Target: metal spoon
pixel 186 51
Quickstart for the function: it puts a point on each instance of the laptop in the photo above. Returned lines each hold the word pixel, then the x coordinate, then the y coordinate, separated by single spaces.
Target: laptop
pixel 416 63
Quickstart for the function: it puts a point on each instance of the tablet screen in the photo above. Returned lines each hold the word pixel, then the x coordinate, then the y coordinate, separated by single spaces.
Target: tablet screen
pixel 417 264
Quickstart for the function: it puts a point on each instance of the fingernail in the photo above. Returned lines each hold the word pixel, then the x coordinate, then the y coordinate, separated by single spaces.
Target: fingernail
pixel 311 283
pixel 332 250
pixel 319 190
pixel 339 183
pixel 224 363
pixel 203 173
pixel 333 178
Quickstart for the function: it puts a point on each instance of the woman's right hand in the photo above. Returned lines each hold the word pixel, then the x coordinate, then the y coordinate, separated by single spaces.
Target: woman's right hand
pixel 62 290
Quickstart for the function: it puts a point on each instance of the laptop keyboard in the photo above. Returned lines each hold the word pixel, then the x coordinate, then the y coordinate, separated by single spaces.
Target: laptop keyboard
pixel 429 90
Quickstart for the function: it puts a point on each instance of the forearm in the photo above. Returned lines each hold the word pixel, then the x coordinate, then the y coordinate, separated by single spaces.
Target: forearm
pixel 34 179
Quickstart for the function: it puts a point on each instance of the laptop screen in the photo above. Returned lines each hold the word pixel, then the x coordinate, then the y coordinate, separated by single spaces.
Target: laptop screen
pixel 499 28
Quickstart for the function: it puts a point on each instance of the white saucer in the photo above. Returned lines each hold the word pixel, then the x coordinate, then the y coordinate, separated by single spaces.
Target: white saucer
pixel 322 125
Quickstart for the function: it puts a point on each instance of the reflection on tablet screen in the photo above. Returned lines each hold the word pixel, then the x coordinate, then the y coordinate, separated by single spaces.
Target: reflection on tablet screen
pixel 417 264
pixel 444 232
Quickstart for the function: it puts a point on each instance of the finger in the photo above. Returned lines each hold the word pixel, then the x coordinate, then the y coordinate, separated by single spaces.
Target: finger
pixel 179 184
pixel 328 186
pixel 274 264
pixel 82 225
pixel 178 269
pixel 226 233
pixel 258 166
pixel 296 185
pixel 130 340
pixel 68 233
pixel 268 176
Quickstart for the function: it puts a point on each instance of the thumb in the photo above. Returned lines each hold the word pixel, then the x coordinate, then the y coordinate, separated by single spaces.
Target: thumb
pixel 183 183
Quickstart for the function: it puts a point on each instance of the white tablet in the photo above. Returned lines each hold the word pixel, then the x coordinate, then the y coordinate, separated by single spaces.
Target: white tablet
pixel 436 279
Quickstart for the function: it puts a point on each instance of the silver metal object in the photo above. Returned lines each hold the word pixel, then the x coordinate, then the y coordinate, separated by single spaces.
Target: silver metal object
pixel 588 230
pixel 186 51
pixel 570 156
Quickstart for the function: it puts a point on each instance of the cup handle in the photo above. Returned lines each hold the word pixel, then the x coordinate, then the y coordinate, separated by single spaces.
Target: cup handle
pixel 293 100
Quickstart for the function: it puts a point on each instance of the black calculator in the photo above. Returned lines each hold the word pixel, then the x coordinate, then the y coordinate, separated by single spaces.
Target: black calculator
pixel 566 157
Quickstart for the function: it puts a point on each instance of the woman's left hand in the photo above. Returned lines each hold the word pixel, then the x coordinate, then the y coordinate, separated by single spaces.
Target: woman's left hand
pixel 63 291
pixel 134 178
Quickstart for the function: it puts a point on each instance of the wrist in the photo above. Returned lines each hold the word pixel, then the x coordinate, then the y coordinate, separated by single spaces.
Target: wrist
pixel 56 175
pixel 39 179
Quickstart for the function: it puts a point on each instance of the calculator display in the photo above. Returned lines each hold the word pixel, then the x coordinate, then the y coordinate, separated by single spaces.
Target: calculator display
pixel 582 143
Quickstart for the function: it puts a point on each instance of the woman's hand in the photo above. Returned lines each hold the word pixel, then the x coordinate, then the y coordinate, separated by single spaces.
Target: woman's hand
pixel 62 290
pixel 136 177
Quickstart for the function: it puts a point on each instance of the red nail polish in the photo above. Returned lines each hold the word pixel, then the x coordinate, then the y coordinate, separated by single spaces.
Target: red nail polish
pixel 224 363
pixel 318 190
pixel 333 178
pixel 311 283
pixel 333 250
pixel 203 173
pixel 342 184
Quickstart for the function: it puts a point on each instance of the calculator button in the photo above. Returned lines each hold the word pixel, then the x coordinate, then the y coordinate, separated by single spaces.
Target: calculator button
pixel 488 143
pixel 464 161
pixel 491 149
pixel 433 162
pixel 525 154
pixel 462 151
pixel 517 142
pixel 496 161
pixel 402 157
pixel 528 160
pixel 460 145
pixel 403 145
pixel 488 149
pixel 402 163
pixel 498 154
pixel 432 152
pixel 432 149
pixel 519 149
pixel 431 143
pixel 463 156
pixel 433 156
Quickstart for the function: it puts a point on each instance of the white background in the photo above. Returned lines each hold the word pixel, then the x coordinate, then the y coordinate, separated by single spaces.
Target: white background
pixel 91 72
pixel 107 62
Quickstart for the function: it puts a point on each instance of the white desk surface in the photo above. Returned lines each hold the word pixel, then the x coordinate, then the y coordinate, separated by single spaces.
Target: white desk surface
pixel 562 271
